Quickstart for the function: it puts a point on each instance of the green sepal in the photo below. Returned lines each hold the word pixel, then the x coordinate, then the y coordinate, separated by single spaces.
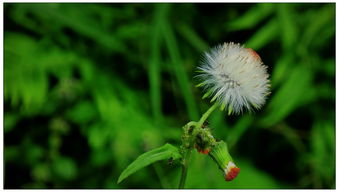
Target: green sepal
pixel 268 93
pixel 214 98
pixel 230 110
pixel 220 155
pixel 222 106
pixel 204 138
pixel 208 93
pixel 200 84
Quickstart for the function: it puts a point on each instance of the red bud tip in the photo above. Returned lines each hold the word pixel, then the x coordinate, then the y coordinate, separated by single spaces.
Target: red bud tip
pixel 203 151
pixel 232 173
pixel 254 54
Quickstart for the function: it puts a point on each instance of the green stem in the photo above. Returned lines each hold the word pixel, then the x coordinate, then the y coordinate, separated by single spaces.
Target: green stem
pixel 206 114
pixel 188 150
pixel 187 156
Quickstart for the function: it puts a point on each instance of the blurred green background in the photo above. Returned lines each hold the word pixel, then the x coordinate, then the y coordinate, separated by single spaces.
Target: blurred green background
pixel 89 87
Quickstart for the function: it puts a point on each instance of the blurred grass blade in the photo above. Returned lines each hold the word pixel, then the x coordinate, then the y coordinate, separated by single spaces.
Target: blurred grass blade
pixel 64 16
pixel 192 37
pixel 239 129
pixel 180 72
pixel 154 68
pixel 264 35
pixel 287 24
pixel 295 92
pixel 165 152
pixel 323 150
pixel 282 69
pixel 252 17
pixel 325 15
pixel 9 121
pixel 162 176
pixel 21 53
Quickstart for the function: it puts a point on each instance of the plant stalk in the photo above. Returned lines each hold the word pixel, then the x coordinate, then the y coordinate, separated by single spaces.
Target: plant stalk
pixel 187 154
pixel 184 169
pixel 206 114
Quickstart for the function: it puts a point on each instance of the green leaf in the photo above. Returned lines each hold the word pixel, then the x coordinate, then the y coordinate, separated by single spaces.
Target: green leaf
pixel 180 73
pixel 65 168
pixel 82 113
pixel 295 92
pixel 282 69
pixel 192 37
pixel 165 152
pixel 10 121
pixel 289 30
pixel 251 18
pixel 264 35
pixel 320 21
pixel 239 129
pixel 155 61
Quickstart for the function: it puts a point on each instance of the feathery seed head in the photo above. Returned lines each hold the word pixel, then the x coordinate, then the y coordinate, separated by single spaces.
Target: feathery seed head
pixel 235 77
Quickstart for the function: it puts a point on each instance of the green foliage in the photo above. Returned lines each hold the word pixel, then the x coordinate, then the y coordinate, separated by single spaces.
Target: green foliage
pixel 65 168
pixel 251 18
pixel 167 151
pixel 301 92
pixel 89 87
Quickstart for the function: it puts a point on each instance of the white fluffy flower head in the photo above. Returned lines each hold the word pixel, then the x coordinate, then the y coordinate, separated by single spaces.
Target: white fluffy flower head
pixel 235 77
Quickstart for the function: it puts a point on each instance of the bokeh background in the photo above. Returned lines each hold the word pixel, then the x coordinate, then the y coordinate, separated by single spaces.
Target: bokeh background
pixel 89 87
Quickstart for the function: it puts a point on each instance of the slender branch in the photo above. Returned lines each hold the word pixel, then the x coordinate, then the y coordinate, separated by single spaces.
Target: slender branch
pixel 186 150
pixel 206 114
pixel 190 142
pixel 184 169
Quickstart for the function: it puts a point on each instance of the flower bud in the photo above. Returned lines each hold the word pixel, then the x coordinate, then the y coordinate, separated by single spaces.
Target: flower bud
pixel 203 141
pixel 202 150
pixel 221 156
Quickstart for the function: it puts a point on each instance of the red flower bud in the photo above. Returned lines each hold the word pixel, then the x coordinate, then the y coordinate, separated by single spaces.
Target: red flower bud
pixel 203 151
pixel 231 171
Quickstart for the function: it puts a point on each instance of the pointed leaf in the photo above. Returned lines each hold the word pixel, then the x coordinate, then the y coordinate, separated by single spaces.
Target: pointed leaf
pixel 165 152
